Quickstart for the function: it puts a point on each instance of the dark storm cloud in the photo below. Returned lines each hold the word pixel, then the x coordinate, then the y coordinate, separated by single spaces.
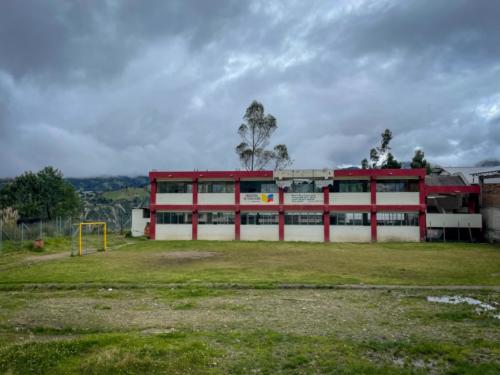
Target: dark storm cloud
pixel 107 87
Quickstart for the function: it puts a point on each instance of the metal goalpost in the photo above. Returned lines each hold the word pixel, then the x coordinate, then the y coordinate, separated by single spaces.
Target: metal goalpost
pixel 88 237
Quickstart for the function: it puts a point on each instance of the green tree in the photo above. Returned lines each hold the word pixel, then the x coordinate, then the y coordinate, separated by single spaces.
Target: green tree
pixel 419 161
pixel 42 195
pixel 381 157
pixel 255 133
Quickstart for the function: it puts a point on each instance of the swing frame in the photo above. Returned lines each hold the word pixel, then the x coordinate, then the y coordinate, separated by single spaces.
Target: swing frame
pixel 90 223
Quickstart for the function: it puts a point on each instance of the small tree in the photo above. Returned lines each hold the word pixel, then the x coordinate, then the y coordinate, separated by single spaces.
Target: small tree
pixel 418 161
pixel 255 133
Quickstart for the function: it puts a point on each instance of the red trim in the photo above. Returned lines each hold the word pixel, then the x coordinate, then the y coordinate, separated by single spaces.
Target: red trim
pixel 211 174
pixel 194 229
pixel 195 191
pixel 373 208
pixel 463 189
pixel 281 226
pixel 421 217
pixel 379 172
pixel 326 214
pixel 237 225
pixel 399 207
pixel 152 213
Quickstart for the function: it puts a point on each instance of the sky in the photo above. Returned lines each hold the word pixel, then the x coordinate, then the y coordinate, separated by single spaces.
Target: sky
pixel 124 87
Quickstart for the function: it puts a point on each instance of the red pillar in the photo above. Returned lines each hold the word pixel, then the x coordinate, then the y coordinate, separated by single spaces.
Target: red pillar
pixel 326 213
pixel 237 214
pixel 194 224
pixel 423 208
pixel 373 212
pixel 152 210
pixel 281 215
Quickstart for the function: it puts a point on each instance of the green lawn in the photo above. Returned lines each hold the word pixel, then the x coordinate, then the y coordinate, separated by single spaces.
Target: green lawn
pixel 264 263
pixel 201 307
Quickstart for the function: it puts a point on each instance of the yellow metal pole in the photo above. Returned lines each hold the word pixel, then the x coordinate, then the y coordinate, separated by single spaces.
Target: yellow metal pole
pixel 80 242
pixel 105 236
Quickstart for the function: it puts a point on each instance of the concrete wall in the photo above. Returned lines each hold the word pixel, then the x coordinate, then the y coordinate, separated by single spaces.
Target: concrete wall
pixel 311 233
pixel 398 234
pixel 259 232
pixel 397 198
pixel 304 198
pixel 222 232
pixel 216 198
pixel 173 231
pixel 174 198
pixel 138 222
pixel 349 198
pixel 350 233
pixel 491 217
pixel 454 220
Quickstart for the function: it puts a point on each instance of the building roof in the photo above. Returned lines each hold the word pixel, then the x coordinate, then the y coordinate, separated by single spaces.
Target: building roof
pixel 470 173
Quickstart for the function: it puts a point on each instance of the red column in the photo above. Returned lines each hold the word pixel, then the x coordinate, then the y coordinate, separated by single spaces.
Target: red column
pixel 423 208
pixel 326 213
pixel 194 224
pixel 373 212
pixel 237 214
pixel 281 214
pixel 152 210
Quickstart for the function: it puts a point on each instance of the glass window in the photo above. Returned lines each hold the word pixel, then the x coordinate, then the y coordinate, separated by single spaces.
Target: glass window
pixel 146 213
pixel 216 187
pixel 216 218
pixel 173 217
pixel 350 186
pixel 397 186
pixel 350 218
pixel 259 218
pixel 258 187
pixel 174 187
pixel 303 187
pixel 398 218
pixel 304 218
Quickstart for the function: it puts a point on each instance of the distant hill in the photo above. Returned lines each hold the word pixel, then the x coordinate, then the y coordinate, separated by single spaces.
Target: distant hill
pixel 111 183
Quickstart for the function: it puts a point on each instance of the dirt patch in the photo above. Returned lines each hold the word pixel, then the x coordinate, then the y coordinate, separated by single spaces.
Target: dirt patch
pixel 184 256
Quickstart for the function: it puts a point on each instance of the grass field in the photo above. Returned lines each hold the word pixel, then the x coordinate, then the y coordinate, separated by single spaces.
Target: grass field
pixel 238 307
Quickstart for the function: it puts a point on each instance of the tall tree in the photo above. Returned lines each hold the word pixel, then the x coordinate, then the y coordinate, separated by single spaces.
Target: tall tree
pixel 381 157
pixel 42 195
pixel 419 161
pixel 255 133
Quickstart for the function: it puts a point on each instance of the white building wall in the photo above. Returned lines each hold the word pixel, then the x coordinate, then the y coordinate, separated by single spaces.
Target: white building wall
pixel 492 223
pixel 216 198
pixel 138 222
pixel 398 198
pixel 454 220
pixel 304 198
pixel 222 232
pixel 310 233
pixel 259 232
pixel 350 198
pixel 174 198
pixel 350 233
pixel 398 234
pixel 173 231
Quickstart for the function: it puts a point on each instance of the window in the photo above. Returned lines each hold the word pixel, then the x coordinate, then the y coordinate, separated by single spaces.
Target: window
pixel 350 186
pixel 216 187
pixel 258 187
pixel 174 218
pixel 398 218
pixel 216 218
pixel 350 218
pixel 146 213
pixel 397 186
pixel 259 218
pixel 303 187
pixel 304 219
pixel 174 187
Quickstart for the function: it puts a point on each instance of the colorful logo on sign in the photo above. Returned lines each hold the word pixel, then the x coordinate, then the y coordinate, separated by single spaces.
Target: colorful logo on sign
pixel 267 198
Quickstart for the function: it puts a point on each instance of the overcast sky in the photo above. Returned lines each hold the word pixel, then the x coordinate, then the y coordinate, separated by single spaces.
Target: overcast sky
pixel 123 87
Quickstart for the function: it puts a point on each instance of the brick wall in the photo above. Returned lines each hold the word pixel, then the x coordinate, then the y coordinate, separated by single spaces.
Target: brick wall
pixel 491 195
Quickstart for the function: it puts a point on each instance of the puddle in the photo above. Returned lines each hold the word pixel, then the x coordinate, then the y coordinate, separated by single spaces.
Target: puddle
pixel 455 300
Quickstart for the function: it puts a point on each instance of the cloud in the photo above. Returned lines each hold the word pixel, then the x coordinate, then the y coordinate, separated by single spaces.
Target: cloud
pixel 107 87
